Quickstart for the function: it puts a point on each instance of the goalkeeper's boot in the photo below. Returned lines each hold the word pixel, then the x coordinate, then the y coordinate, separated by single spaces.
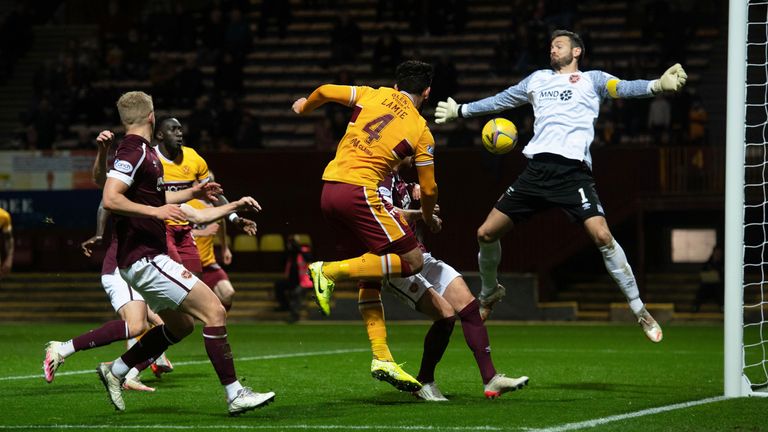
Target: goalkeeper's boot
pixel 392 373
pixel 323 287
pixel 487 303
pixel 430 392
pixel 248 400
pixel 651 328
pixel 112 384
pixel 52 360
pixel 500 384
pixel 161 365
pixel 136 385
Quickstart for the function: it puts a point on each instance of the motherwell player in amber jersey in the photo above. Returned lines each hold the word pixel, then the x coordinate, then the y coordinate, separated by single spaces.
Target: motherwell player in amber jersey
pixel 182 167
pixel 385 128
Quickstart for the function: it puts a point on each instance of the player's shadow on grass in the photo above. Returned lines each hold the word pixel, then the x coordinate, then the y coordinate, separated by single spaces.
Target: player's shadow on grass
pixel 388 399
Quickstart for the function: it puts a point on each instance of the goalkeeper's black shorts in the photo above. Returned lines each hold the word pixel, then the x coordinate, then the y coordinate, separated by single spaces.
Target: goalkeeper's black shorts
pixel 552 181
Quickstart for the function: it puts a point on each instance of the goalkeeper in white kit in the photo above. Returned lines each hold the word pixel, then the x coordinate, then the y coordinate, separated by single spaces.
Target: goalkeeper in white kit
pixel 566 102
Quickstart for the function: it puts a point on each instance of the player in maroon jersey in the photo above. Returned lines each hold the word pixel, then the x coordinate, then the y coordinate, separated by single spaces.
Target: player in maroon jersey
pixel 127 302
pixel 134 192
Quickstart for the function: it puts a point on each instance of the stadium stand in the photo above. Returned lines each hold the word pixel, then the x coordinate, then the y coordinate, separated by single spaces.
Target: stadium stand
pixel 235 93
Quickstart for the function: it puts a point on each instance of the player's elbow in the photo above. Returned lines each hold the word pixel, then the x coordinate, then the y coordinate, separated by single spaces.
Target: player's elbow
pixel 109 202
pixel 193 215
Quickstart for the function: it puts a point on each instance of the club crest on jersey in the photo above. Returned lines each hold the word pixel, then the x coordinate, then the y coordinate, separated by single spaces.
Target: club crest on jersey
pixel 573 79
pixel 186 274
pixel 385 193
pixel 123 166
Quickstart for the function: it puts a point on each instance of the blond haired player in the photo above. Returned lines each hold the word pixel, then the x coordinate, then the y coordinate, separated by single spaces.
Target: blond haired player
pixel 135 194
pixel 385 128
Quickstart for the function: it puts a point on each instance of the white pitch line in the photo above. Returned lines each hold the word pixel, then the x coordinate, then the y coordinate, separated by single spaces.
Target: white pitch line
pixel 261 427
pixel 619 417
pixel 196 362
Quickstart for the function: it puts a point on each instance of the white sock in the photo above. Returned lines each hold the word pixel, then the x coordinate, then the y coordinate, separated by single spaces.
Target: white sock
pixel 119 368
pixel 133 373
pixel 66 349
pixel 131 342
pixel 621 272
pixel 232 390
pixel 488 261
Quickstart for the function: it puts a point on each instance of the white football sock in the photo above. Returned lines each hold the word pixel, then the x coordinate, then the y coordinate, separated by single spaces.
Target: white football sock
pixel 133 373
pixel 131 342
pixel 232 390
pixel 119 368
pixel 66 349
pixel 488 261
pixel 621 272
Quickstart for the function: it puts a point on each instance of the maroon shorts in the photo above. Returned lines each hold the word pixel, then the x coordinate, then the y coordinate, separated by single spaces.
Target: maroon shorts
pixel 362 222
pixel 182 248
pixel 213 274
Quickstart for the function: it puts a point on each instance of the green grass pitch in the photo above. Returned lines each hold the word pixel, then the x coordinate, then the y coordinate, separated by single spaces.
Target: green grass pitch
pixel 583 377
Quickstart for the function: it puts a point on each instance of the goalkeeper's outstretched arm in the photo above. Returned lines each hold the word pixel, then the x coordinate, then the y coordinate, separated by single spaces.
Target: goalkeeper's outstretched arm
pixel 672 80
pixel 512 97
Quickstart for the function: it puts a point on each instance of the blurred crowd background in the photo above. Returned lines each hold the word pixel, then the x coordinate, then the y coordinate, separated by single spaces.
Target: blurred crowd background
pixel 231 68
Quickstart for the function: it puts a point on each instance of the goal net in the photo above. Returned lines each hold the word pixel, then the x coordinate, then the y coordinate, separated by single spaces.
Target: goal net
pixel 746 342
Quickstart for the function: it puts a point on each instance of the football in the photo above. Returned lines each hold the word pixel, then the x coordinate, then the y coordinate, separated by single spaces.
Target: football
pixel 499 135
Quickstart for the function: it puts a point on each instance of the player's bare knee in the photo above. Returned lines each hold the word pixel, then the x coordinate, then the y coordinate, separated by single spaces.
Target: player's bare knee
pixel 485 235
pixel 215 315
pixel 603 238
pixel 225 292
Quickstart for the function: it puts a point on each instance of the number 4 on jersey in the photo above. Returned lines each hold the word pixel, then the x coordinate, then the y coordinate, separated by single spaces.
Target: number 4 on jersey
pixel 374 127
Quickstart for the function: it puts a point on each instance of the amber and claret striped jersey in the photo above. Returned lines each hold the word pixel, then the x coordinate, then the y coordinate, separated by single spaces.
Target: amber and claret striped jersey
pixel 180 176
pixel 385 128
pixel 204 244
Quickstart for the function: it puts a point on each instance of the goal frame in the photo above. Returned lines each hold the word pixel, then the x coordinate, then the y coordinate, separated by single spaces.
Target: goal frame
pixel 736 383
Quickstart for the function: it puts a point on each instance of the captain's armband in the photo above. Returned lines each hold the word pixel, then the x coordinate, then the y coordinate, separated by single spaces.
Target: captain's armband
pixel 613 87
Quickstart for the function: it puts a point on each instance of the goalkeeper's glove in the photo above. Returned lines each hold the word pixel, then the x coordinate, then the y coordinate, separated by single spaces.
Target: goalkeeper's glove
pixel 672 80
pixel 447 111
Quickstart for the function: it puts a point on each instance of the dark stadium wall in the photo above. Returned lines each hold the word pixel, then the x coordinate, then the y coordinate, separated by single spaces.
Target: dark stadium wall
pixel 288 186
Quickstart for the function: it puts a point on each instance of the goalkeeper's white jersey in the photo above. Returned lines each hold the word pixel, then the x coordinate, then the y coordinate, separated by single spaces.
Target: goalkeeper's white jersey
pixel 565 107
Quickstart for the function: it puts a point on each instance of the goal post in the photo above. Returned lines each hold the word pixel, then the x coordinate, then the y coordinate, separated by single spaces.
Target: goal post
pixel 746 202
pixel 734 198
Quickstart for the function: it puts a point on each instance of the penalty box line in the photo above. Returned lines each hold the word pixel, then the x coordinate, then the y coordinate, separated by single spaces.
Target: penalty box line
pixel 198 362
pixel 619 417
